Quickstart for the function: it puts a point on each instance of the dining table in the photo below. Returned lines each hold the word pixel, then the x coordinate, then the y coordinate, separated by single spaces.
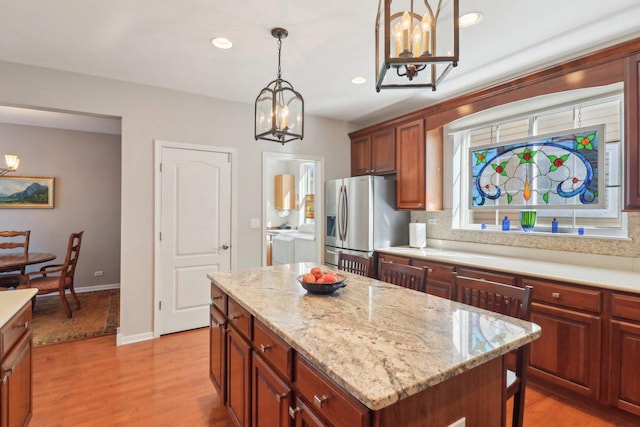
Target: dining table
pixel 15 261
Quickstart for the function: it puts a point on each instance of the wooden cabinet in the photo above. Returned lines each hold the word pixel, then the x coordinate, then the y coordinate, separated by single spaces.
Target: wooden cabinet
pixel 326 398
pixel 271 396
pixel 569 352
pixel 16 403
pixel 632 133
pixel 217 351
pixel 624 370
pixel 304 416
pixel 410 162
pixel 238 378
pixel 374 153
pixel 439 279
pixel 284 192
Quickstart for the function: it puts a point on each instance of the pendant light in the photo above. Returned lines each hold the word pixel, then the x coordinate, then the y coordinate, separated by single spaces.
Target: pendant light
pixel 416 44
pixel 279 111
pixel 12 164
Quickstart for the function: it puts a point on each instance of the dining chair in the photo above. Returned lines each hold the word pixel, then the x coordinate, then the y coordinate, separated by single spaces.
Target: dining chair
pixel 58 277
pixel 403 275
pixel 512 301
pixel 356 264
pixel 14 242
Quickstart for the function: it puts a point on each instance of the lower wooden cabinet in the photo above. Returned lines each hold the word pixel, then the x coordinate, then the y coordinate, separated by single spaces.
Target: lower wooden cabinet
pixel 217 351
pixel 439 280
pixel 16 397
pixel 624 369
pixel 238 378
pixel 304 416
pixel 271 396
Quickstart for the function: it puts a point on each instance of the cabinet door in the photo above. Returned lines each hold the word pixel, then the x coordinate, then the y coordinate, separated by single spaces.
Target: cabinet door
pixel 439 279
pixel 238 378
pixel 361 155
pixel 15 386
pixel 410 164
pixel 217 352
pixel 271 396
pixel 568 352
pixel 632 133
pixel 383 151
pixel 305 417
pixel 624 375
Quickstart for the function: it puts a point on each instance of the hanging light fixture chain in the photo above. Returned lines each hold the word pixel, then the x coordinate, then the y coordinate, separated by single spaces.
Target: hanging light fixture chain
pixel 279 51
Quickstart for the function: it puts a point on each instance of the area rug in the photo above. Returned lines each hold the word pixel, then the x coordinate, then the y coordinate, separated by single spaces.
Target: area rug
pixel 99 315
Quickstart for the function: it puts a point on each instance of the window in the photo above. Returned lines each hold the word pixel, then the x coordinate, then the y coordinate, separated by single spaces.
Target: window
pixel 556 117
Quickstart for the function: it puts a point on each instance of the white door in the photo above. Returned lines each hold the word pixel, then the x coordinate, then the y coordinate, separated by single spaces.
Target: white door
pixel 195 234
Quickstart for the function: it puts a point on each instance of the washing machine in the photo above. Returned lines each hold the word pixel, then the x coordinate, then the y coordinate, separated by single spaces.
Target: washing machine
pixel 305 244
pixel 283 249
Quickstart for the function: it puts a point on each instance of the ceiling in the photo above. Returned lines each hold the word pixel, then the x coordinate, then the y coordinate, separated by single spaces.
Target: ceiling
pixel 167 44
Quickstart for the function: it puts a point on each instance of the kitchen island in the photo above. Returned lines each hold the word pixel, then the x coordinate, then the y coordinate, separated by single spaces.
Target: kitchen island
pixel 372 353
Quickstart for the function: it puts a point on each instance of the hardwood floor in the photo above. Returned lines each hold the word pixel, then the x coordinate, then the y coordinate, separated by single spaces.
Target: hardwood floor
pixel 165 382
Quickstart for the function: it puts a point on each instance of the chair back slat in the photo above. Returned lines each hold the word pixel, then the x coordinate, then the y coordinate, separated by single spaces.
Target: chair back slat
pixel 11 240
pixel 403 275
pixel 355 264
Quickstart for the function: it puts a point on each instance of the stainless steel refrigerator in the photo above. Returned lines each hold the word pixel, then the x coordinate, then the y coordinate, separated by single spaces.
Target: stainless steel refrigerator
pixel 361 216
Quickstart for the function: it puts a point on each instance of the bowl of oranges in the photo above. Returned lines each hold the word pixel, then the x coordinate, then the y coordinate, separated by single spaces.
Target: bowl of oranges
pixel 317 281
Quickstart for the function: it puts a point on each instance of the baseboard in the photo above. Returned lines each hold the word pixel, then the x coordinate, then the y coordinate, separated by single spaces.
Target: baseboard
pixel 131 339
pixel 88 289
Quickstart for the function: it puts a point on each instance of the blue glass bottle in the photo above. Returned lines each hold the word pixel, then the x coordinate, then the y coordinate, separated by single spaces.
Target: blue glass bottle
pixel 506 224
pixel 554 226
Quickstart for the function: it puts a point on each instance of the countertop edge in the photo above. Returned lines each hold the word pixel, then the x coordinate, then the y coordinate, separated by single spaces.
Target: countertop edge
pixel 12 301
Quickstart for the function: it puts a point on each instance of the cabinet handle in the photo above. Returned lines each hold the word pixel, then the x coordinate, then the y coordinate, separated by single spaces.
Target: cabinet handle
pixel 22 325
pixel 281 396
pixel 319 401
pixel 217 297
pixel 236 317
pixel 265 347
pixel 555 294
pixel 293 412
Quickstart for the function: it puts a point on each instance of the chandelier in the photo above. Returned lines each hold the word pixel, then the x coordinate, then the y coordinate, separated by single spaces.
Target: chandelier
pixel 12 164
pixel 279 112
pixel 416 44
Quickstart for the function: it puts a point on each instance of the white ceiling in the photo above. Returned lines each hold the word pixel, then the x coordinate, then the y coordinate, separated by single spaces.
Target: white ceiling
pixel 167 44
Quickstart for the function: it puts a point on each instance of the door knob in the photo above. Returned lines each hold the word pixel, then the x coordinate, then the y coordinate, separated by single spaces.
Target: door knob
pixel 225 247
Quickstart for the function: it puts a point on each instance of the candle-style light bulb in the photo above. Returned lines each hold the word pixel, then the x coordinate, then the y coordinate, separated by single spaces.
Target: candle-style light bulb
pixel 284 117
pixel 12 161
pixel 417 41
pixel 397 34
pixel 426 34
pixel 406 28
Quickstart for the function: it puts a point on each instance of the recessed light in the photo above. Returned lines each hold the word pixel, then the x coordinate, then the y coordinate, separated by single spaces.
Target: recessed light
pixel 469 19
pixel 358 80
pixel 221 43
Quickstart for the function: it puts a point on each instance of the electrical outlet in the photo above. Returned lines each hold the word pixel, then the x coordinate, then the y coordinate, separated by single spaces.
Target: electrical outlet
pixel 433 221
pixel 98 273
pixel 255 223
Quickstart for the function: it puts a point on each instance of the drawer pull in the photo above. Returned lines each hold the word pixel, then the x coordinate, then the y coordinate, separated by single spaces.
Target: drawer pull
pixel 217 297
pixel 236 317
pixel 22 325
pixel 265 347
pixel 319 401
pixel 281 396
pixel 293 412
pixel 555 294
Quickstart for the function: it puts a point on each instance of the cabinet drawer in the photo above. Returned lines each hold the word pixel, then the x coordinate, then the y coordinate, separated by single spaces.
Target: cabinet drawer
pixel 507 279
pixel 219 298
pixel 14 329
pixel 567 296
pixel 273 349
pixel 326 398
pixel 239 318
pixel 440 273
pixel 625 306
pixel 393 258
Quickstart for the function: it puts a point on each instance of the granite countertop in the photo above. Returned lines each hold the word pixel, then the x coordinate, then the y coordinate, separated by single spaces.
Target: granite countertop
pixel 12 301
pixel 599 277
pixel 379 341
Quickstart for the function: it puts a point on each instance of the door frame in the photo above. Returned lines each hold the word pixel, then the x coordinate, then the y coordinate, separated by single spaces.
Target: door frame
pixel 318 201
pixel 158 146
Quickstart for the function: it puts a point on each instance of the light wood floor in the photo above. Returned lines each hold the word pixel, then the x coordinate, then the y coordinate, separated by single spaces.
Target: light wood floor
pixel 165 382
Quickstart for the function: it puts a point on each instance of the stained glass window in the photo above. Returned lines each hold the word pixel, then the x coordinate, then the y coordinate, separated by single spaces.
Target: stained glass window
pixel 560 170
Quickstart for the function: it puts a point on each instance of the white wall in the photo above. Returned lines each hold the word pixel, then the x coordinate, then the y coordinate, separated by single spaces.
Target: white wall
pixel 151 113
pixel 86 171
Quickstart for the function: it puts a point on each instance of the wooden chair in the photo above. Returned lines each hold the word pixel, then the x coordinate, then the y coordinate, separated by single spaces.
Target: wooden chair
pixel 403 275
pixel 512 301
pixel 16 242
pixel 58 277
pixel 355 264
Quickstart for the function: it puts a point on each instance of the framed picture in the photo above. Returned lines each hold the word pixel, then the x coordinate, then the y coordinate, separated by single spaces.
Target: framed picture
pixel 26 192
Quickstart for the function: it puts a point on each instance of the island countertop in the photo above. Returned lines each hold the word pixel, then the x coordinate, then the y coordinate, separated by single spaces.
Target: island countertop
pixel 380 342
pixel 12 301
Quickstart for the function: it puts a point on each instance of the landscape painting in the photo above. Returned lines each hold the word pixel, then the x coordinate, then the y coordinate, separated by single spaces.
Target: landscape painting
pixel 26 192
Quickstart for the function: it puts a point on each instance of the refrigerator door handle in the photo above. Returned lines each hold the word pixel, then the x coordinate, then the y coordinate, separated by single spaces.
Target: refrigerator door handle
pixel 345 220
pixel 340 212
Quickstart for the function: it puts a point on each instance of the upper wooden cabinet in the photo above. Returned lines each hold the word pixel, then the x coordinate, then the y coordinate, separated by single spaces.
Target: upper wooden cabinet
pixel 419 166
pixel 374 153
pixel 632 131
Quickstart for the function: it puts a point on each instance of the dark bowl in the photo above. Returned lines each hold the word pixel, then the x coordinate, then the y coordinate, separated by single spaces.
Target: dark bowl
pixel 323 288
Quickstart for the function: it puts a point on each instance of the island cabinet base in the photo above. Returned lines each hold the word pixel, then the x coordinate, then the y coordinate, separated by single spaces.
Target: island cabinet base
pixel 475 395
